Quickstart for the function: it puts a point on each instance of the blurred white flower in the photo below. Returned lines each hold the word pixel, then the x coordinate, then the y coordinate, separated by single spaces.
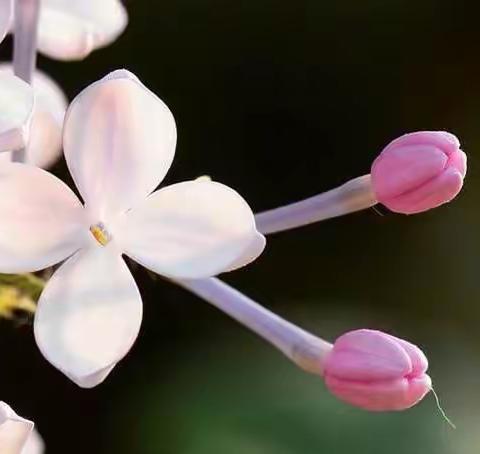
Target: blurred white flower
pixel 17 100
pixel 67 30
pixel 43 142
pixel 16 434
pixel 119 142
pixel 6 10
pixel 72 29
pixel 34 445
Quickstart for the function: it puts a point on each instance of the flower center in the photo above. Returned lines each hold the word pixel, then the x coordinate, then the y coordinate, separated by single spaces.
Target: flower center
pixel 100 233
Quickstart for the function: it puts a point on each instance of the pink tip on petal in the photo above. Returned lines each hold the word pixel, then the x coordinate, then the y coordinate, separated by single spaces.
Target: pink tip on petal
pixel 121 74
pixel 419 171
pixel 376 371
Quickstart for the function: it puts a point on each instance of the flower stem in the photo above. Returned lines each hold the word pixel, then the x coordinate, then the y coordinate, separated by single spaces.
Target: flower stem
pixel 355 195
pixel 25 45
pixel 304 349
pixel 25 38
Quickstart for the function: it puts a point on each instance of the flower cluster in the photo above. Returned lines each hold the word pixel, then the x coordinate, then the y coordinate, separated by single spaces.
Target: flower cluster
pixel 118 139
pixel 32 115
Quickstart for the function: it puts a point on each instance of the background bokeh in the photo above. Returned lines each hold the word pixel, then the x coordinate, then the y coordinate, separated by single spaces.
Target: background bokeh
pixel 281 100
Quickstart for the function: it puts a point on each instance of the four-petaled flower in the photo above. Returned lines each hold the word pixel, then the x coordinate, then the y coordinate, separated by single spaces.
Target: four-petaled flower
pixel 119 142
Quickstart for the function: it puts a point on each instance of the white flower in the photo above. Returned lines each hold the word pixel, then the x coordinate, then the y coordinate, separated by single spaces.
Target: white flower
pixel 6 13
pixel 34 445
pixel 119 142
pixel 18 101
pixel 43 141
pixel 17 435
pixel 72 29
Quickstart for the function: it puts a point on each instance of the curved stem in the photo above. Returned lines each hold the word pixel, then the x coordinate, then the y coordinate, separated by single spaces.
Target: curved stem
pixel 355 195
pixel 25 45
pixel 304 349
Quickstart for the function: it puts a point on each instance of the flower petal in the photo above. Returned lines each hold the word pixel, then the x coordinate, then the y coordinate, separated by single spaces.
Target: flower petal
pixel 88 315
pixel 14 430
pixel 5 157
pixel 119 142
pixel 42 221
pixel 367 355
pixel 189 230
pixel 6 16
pixel 45 138
pixel 35 444
pixel 71 29
pixel 17 100
pixel 255 248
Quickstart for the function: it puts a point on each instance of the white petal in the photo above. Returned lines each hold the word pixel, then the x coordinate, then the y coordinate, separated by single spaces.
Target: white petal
pixel 88 315
pixel 17 103
pixel 5 156
pixel 189 230
pixel 255 248
pixel 6 16
pixel 14 430
pixel 45 138
pixel 71 29
pixel 35 444
pixel 42 221
pixel 119 142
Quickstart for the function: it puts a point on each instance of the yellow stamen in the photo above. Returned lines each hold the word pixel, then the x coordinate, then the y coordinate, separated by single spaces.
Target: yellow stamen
pixel 12 300
pixel 204 178
pixel 100 234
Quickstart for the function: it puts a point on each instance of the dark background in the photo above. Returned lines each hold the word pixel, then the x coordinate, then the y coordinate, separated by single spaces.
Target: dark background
pixel 281 100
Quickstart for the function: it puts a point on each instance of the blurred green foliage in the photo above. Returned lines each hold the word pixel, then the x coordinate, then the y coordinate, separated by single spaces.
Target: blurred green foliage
pixel 226 401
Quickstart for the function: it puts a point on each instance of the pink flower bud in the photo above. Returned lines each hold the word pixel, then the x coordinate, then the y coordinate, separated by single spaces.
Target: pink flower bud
pixel 377 372
pixel 419 171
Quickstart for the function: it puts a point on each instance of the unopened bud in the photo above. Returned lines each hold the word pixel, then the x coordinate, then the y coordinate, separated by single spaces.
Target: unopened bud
pixel 376 371
pixel 419 171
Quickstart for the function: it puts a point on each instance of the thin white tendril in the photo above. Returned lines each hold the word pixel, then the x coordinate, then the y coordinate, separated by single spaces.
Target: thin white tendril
pixel 441 410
